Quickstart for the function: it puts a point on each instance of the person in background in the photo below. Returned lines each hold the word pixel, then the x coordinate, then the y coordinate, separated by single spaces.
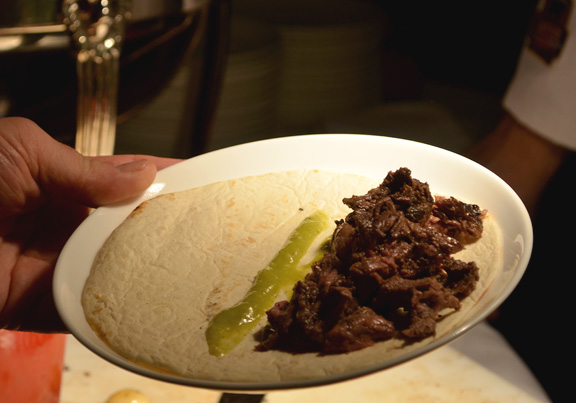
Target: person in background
pixel 539 130
pixel 532 149
pixel 46 191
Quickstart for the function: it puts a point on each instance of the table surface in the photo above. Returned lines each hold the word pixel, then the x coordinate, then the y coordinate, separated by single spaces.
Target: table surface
pixel 443 375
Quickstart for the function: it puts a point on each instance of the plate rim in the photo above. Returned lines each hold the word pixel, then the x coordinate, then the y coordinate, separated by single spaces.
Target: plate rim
pixel 160 185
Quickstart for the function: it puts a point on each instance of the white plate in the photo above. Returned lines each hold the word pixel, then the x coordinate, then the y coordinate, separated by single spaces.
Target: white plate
pixel 447 173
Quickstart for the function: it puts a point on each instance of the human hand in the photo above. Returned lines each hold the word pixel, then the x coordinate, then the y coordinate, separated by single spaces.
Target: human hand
pixel 524 159
pixel 46 191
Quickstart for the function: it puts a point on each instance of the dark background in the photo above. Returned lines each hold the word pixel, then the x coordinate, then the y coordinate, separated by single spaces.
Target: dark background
pixel 471 46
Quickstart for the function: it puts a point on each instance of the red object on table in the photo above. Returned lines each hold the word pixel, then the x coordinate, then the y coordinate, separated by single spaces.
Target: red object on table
pixel 31 366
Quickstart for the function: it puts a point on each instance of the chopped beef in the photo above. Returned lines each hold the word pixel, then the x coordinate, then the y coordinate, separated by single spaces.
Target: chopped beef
pixel 459 220
pixel 389 272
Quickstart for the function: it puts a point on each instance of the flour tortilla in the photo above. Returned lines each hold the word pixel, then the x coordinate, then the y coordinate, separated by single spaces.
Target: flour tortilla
pixel 181 258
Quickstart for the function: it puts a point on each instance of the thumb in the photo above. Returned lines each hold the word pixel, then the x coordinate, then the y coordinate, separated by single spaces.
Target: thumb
pixel 64 173
pixel 95 182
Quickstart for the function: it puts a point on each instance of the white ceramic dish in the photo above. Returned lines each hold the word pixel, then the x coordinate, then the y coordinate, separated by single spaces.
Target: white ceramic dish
pixel 446 172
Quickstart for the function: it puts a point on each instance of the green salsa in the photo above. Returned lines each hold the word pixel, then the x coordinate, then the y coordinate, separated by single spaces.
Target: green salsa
pixel 229 327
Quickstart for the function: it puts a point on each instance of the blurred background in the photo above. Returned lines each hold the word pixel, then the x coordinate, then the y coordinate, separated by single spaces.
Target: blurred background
pixel 198 75
pixel 171 53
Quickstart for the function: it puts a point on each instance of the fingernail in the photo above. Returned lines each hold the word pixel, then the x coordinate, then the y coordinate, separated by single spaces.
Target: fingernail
pixel 133 166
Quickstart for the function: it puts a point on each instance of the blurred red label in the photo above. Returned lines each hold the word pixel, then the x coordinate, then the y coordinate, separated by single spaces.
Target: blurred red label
pixel 31 366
